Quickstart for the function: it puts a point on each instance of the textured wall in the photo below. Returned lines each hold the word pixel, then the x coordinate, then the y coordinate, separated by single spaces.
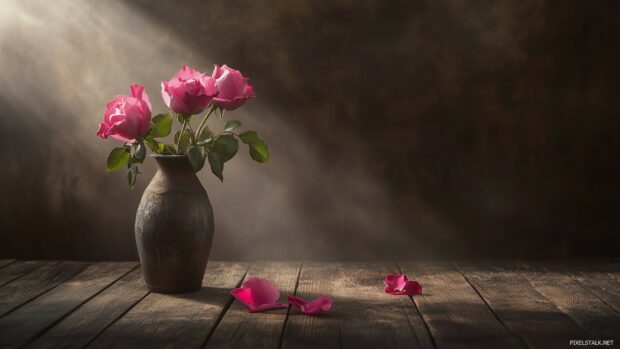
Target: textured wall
pixel 398 129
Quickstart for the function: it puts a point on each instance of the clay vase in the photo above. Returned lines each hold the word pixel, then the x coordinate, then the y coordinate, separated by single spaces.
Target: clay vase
pixel 174 228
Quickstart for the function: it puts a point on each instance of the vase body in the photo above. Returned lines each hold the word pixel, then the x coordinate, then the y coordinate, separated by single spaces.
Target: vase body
pixel 174 228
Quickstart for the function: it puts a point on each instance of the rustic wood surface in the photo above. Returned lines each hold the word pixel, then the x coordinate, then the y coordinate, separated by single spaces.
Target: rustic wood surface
pixel 483 304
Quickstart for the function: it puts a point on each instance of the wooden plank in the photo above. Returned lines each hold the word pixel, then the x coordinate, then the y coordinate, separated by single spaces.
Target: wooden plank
pixel 590 312
pixel 363 316
pixel 85 323
pixel 601 277
pixel 454 312
pixel 240 329
pixel 17 269
pixel 27 322
pixel 4 262
pixel 176 321
pixel 520 306
pixel 38 281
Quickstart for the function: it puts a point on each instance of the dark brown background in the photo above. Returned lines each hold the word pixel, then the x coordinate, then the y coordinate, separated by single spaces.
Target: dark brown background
pixel 398 129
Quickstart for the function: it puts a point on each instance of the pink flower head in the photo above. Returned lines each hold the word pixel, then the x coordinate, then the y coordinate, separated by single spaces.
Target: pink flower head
pixel 258 294
pixel 233 88
pixel 189 92
pixel 317 306
pixel 400 285
pixel 127 117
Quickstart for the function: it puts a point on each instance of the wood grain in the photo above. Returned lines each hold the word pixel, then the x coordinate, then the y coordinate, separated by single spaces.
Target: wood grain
pixel 590 312
pixel 17 269
pixel 38 281
pixel 453 310
pixel 84 324
pixel 240 329
pixel 363 316
pixel 465 305
pixel 27 322
pixel 520 306
pixel 601 277
pixel 176 321
pixel 4 262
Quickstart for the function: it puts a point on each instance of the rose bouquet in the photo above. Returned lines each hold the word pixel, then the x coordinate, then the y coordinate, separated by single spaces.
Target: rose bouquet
pixel 188 94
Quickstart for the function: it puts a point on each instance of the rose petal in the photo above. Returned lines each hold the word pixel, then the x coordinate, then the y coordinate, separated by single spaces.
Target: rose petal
pixel 314 307
pixel 258 294
pixel 400 285
pixel 127 117
pixel 244 295
pixel 188 92
pixel 270 306
pixel 264 292
pixel 233 88
pixel 412 288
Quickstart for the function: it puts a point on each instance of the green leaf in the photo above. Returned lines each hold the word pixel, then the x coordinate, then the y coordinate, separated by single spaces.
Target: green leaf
pixel 231 125
pixel 197 156
pixel 118 158
pixel 155 146
pixel 226 147
pixel 182 118
pixel 168 149
pixel 259 151
pixel 184 140
pixel 132 174
pixel 217 165
pixel 248 137
pixel 139 153
pixel 205 136
pixel 161 125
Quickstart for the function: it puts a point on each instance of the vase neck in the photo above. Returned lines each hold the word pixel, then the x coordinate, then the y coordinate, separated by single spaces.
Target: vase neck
pixel 174 164
pixel 175 175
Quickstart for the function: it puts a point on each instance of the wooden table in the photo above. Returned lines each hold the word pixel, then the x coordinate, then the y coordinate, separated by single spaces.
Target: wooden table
pixel 508 304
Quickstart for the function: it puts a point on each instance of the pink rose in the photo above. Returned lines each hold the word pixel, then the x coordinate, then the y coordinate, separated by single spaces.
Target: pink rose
pixel 127 117
pixel 189 92
pixel 233 88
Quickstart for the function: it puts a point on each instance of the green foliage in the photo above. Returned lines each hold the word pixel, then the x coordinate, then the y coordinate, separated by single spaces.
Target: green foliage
pixel 217 165
pixel 226 147
pixel 161 125
pixel 118 158
pixel 205 136
pixel 231 125
pixel 132 174
pixel 184 140
pixel 197 156
pixel 259 151
pixel 248 137
pixel 258 148
pixel 155 146
pixel 182 118
pixel 217 149
pixel 139 153
pixel 169 150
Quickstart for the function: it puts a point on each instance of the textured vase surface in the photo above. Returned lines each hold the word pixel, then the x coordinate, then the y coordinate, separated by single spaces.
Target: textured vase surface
pixel 174 228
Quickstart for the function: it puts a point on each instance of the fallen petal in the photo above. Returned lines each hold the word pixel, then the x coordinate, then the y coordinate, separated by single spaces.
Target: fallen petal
pixel 400 285
pixel 257 295
pixel 412 288
pixel 271 306
pixel 320 305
